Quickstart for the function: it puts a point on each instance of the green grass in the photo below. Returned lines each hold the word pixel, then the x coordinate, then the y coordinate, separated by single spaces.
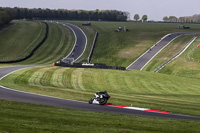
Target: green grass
pixel 172 49
pixel 142 89
pixel 19 40
pixel 114 48
pixel 22 118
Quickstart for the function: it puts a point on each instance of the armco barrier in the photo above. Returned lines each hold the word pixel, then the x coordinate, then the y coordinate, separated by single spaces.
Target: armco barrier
pixel 93 46
pixel 33 51
pixel 96 65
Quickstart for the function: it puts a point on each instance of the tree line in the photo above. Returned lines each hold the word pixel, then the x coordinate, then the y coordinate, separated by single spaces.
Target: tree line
pixel 187 19
pixel 5 17
pixel 95 15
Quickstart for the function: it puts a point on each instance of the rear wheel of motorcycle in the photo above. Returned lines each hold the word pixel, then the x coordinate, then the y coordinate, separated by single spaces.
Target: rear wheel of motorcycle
pixel 103 101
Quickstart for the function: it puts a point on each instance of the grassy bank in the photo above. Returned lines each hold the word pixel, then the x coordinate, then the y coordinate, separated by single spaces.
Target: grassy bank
pixel 187 65
pixel 58 45
pixel 22 118
pixel 18 41
pixel 142 89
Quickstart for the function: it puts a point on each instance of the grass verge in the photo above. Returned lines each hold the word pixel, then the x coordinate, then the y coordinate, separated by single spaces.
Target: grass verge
pixel 22 117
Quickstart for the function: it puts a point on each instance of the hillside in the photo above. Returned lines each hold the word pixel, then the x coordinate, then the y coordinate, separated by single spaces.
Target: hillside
pixel 122 48
pixel 112 48
pixel 188 64
pixel 18 41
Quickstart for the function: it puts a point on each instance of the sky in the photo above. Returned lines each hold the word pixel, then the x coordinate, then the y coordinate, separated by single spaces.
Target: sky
pixel 154 9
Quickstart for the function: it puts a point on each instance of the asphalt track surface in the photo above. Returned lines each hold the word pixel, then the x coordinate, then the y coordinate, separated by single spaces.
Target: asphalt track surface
pixel 80 42
pixel 20 96
pixel 144 59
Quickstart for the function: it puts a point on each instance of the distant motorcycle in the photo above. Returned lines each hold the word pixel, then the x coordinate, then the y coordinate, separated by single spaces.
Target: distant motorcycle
pixel 100 98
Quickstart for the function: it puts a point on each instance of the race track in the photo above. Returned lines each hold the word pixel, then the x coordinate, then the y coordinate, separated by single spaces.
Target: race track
pixel 19 96
pixel 144 59
pixel 80 42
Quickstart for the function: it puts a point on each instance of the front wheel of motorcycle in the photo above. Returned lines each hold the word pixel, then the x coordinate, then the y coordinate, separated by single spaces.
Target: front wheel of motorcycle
pixel 90 101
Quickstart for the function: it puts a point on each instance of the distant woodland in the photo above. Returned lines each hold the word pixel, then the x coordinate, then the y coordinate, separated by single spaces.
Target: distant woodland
pixel 7 14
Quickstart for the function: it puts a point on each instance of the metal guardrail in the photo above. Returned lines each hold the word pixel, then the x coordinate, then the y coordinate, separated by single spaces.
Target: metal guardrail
pixel 93 46
pixel 96 65
pixel 178 54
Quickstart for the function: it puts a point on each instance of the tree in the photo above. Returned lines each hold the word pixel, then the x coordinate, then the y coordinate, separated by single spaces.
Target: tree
pixel 165 19
pixel 172 19
pixel 121 18
pixel 144 18
pixel 5 17
pixel 136 17
pixel 198 20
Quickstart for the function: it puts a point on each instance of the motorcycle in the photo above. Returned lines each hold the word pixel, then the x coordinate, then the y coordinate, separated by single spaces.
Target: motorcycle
pixel 100 98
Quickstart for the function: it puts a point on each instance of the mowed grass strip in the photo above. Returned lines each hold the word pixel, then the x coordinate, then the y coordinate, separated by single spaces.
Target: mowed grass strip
pixel 18 41
pixel 186 65
pixel 22 118
pixel 142 89
pixel 172 49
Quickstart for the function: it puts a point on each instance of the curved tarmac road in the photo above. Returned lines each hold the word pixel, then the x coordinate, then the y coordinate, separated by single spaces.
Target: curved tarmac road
pixel 80 42
pixel 15 95
pixel 144 59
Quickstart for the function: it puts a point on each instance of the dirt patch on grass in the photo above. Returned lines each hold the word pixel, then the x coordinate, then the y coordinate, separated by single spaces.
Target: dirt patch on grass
pixel 185 64
pixel 133 52
pixel 88 30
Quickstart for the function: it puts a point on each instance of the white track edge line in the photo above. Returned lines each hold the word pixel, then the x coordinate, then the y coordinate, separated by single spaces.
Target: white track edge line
pixel 148 50
pixel 76 40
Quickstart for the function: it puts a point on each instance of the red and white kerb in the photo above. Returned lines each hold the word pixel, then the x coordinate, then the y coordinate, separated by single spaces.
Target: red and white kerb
pixel 137 108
